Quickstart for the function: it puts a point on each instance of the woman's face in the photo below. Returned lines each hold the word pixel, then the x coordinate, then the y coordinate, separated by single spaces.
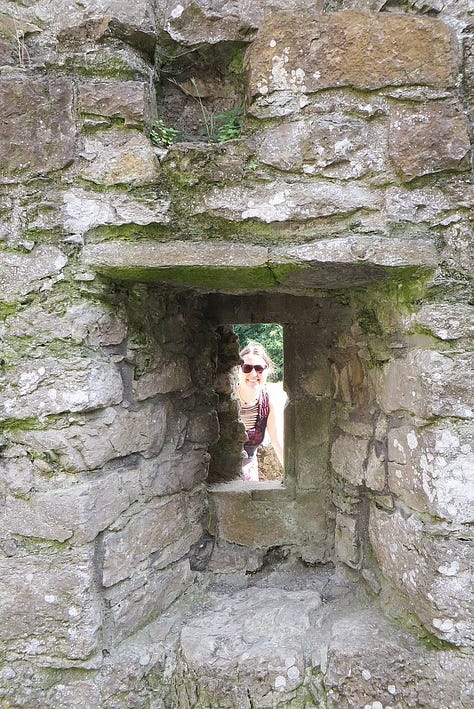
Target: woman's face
pixel 253 380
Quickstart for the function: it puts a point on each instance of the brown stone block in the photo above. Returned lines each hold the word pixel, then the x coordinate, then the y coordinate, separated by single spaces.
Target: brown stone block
pixel 428 138
pixel 266 516
pixel 127 100
pixel 38 131
pixel 301 53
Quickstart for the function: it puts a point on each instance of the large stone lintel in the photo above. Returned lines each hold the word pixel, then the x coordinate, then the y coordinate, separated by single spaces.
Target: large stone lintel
pixel 230 267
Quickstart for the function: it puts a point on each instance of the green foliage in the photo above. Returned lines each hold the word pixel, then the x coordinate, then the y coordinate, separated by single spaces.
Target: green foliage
pixel 231 125
pixel 270 335
pixel 162 134
pixel 220 127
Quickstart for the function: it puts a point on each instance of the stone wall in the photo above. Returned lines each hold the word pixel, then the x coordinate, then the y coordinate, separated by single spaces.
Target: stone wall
pixel 343 211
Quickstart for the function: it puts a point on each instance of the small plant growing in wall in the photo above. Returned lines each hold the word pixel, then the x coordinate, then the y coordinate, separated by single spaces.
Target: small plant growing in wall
pixel 161 134
pixel 231 124
pixel 218 127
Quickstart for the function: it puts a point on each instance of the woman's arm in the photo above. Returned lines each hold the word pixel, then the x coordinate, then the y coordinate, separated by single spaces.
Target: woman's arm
pixel 275 421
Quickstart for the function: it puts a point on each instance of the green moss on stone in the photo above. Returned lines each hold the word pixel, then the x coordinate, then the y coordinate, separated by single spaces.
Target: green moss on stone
pixel 236 63
pixel 203 277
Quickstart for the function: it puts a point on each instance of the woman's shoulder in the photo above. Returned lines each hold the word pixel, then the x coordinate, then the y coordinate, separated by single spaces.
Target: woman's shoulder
pixel 277 396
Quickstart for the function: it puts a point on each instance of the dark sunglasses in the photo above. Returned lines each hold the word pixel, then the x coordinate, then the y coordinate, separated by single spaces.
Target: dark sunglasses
pixel 247 368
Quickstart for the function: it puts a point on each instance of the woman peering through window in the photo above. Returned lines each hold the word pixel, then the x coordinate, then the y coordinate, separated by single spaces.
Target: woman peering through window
pixel 261 407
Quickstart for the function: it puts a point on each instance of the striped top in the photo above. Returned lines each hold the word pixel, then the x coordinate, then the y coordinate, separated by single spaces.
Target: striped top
pixel 248 415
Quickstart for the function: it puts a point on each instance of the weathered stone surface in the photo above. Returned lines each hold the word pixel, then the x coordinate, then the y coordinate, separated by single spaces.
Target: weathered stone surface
pixel 280 201
pixel 458 252
pixel 172 375
pixel 432 572
pixel 108 435
pixel 229 558
pixel 174 471
pixel 432 469
pixel 23 273
pixel 163 522
pixel 370 664
pixel 448 321
pixel 83 210
pixel 337 146
pixel 428 138
pixel 267 516
pixel 428 383
pixel 261 635
pixel 148 596
pixel 55 15
pixel 302 53
pixel 46 322
pixel 52 386
pixel 195 163
pixel 196 21
pixel 49 606
pixel 118 157
pixel 428 205
pixel 38 131
pixel 13 50
pixel 77 513
pixel 115 254
pixel 347 540
pixel 375 470
pixel 126 100
pixel 17 474
pixel 349 458
pixel 203 428
pixel 363 249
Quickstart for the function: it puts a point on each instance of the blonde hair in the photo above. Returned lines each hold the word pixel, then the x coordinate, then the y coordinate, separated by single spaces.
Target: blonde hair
pixel 259 350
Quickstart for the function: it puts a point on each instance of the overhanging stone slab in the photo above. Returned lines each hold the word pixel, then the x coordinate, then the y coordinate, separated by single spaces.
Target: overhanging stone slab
pixel 231 267
pixel 368 249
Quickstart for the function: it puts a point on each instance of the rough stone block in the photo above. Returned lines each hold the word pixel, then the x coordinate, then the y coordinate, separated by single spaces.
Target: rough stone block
pixel 118 157
pixel 369 663
pixel 349 458
pixel 110 434
pixel 52 386
pixel 77 513
pixel 260 635
pixel 173 471
pixel 347 543
pixel 302 53
pixel 365 249
pixel 432 469
pixel 38 130
pixel 172 375
pixel 49 606
pixel 126 100
pixel 428 138
pixel 433 571
pixel 337 146
pixel 280 201
pixel 82 210
pixel 42 323
pixel 21 274
pixel 448 321
pixel 160 524
pixel 375 469
pixel 427 383
pixel 203 428
pixel 133 604
pixel 267 516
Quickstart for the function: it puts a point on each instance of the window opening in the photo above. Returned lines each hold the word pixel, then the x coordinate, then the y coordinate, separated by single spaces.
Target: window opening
pixel 259 390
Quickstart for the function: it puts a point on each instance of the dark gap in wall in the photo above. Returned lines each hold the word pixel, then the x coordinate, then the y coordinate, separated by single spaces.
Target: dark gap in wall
pixel 200 89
